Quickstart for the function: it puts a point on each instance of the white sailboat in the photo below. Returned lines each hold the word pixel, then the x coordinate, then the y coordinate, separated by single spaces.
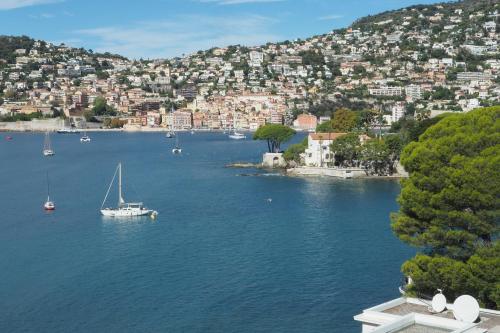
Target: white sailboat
pixel 171 133
pixel 48 205
pixel 177 149
pixel 236 135
pixel 47 149
pixel 124 209
pixel 85 137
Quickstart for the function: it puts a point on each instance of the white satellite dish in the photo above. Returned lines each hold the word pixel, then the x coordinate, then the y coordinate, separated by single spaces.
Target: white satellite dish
pixel 466 309
pixel 438 303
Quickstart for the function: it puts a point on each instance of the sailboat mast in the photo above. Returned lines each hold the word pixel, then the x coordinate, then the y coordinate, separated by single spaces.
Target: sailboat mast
pixel 48 193
pixel 120 199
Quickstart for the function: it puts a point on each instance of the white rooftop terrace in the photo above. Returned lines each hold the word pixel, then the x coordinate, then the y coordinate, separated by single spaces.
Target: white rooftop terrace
pixel 412 315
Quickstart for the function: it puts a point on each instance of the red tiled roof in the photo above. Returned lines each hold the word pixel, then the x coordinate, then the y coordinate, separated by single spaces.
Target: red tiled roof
pixel 326 136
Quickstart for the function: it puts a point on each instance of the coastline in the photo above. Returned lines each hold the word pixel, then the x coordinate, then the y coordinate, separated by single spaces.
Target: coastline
pixel 315 172
pixel 53 125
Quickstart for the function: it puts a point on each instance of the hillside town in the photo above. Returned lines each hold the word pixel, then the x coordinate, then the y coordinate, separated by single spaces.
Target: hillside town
pixel 416 62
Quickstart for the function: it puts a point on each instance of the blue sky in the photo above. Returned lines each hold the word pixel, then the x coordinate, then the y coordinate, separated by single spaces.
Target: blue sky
pixel 167 28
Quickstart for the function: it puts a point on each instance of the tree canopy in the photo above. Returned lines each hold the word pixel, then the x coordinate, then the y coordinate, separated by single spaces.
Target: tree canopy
pixel 292 153
pixel 344 120
pixel 101 108
pixel 275 134
pixel 450 204
pixel 346 149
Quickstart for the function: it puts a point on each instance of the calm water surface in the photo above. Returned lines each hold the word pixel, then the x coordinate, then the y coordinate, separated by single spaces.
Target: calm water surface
pixel 219 258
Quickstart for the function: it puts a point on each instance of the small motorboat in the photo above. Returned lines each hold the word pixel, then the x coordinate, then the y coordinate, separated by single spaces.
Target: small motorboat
pixel 237 136
pixel 68 130
pixel 8 138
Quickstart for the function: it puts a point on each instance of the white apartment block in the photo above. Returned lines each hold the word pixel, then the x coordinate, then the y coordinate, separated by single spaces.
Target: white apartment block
pixel 386 91
pixel 474 76
pixel 413 92
pixel 397 112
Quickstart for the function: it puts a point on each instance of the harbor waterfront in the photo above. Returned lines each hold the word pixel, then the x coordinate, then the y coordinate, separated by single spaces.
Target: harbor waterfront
pixel 227 253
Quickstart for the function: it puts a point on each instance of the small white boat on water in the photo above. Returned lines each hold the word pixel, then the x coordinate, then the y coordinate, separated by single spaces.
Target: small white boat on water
pixel 47 148
pixel 68 130
pixel 125 209
pixel 85 138
pixel 237 136
pixel 49 204
pixel 170 135
pixel 177 149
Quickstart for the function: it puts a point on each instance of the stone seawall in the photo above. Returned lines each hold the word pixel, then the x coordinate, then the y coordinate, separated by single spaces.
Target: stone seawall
pixel 36 125
pixel 328 172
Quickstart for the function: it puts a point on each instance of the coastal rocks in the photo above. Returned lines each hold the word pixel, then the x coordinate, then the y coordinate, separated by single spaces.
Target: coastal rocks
pixel 243 165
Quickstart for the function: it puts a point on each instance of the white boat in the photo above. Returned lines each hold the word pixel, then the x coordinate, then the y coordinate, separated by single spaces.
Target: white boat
pixel 177 149
pixel 237 136
pixel 85 138
pixel 47 149
pixel 68 130
pixel 171 133
pixel 49 205
pixel 124 209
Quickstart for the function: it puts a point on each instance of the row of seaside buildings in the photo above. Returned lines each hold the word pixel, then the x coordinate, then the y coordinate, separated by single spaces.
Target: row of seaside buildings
pixel 387 64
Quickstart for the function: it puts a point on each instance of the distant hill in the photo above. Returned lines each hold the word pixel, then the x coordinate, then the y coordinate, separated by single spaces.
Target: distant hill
pixel 8 44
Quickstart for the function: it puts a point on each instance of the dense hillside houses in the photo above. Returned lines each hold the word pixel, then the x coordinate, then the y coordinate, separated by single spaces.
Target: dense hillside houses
pixel 419 60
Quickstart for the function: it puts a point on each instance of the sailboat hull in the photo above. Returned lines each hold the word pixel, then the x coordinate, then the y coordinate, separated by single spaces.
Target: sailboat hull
pixel 125 212
pixel 237 136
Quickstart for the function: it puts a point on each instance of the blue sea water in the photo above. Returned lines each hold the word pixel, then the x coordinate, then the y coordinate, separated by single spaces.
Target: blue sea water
pixel 220 257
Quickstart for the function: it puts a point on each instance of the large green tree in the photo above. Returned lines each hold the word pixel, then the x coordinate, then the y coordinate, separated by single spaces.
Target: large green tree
pixel 275 135
pixel 376 157
pixel 101 108
pixel 293 152
pixel 450 204
pixel 346 150
pixel 344 120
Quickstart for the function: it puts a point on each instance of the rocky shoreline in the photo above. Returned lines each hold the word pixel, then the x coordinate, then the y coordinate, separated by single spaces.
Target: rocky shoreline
pixel 347 173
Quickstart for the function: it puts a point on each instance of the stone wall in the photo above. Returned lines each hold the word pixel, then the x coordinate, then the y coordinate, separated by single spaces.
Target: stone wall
pixel 328 172
pixel 38 125
pixel 273 160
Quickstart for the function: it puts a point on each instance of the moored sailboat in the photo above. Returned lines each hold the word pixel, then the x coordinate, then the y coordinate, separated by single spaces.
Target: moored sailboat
pixel 124 209
pixel 47 148
pixel 85 137
pixel 49 204
pixel 177 149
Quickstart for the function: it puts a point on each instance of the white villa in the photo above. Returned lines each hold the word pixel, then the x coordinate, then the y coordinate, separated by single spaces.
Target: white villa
pixel 318 152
